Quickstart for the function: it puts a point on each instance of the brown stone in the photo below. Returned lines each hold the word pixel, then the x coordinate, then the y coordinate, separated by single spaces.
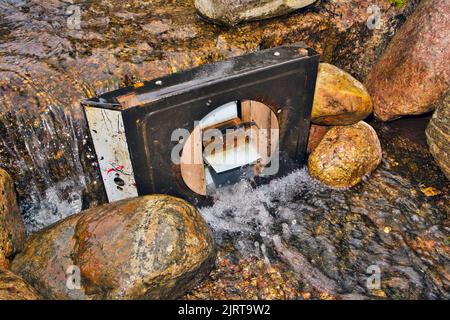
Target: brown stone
pixel 345 155
pixel 413 72
pixel 316 133
pixel 438 135
pixel 153 247
pixel 12 287
pixel 231 12
pixel 47 257
pixel 340 99
pixel 46 69
pixel 12 229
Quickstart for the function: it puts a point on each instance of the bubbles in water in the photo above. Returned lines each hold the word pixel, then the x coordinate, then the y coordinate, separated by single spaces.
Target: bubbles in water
pixel 54 205
pixel 329 237
pixel 250 214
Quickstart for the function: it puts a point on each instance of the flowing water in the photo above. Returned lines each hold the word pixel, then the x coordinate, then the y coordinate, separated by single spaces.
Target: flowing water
pixel 395 222
pixel 334 240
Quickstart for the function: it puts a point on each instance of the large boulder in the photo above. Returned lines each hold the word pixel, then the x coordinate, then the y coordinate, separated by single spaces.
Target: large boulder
pixel 152 247
pixel 438 135
pixel 12 229
pixel 12 287
pixel 231 12
pixel 345 155
pixel 413 73
pixel 340 99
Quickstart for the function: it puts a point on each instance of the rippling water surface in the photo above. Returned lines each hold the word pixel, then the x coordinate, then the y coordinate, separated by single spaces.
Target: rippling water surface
pixel 332 239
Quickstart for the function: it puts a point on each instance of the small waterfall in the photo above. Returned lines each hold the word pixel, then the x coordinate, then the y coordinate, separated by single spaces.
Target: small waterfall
pixel 46 162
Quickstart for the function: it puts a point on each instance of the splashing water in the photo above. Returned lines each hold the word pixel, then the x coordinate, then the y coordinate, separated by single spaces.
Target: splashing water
pixel 329 238
pixel 243 211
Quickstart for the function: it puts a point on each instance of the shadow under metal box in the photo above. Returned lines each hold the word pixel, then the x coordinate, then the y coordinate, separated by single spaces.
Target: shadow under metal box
pixel 133 128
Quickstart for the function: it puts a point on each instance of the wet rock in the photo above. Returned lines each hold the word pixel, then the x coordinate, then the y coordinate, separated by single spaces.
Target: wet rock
pixel 12 229
pixel 46 68
pixel 345 155
pixel 340 99
pixel 316 133
pixel 13 287
pixel 413 72
pixel 153 247
pixel 143 248
pixel 47 259
pixel 231 12
pixel 438 135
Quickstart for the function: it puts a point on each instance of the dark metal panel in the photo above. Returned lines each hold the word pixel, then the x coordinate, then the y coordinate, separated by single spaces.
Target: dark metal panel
pixel 282 78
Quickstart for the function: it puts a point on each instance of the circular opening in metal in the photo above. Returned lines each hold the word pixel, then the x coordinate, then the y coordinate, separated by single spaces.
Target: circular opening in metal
pixel 233 142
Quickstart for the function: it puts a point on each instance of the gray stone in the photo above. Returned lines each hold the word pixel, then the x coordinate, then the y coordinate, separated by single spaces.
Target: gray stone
pixel 231 12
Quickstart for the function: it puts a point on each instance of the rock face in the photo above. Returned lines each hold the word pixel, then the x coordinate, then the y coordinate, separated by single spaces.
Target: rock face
pixel 231 12
pixel 12 229
pixel 345 155
pixel 340 99
pixel 438 135
pixel 413 72
pixel 153 247
pixel 13 287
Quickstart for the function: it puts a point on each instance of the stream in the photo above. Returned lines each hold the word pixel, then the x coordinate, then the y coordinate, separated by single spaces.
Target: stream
pixel 333 239
pixel 292 238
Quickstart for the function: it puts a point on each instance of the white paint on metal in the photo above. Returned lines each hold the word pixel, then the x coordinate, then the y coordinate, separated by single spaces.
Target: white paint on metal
pixel 108 135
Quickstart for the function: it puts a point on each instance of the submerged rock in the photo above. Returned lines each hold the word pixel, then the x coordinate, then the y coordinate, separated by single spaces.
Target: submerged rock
pixel 345 155
pixel 12 229
pixel 231 12
pixel 385 221
pixel 152 247
pixel 12 287
pixel 340 99
pixel 413 73
pixel 438 135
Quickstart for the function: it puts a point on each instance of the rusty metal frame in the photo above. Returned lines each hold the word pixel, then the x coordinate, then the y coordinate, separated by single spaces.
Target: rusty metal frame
pixel 282 78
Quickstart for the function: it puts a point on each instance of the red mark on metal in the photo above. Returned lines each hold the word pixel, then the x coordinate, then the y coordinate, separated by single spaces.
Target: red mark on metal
pixel 117 168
